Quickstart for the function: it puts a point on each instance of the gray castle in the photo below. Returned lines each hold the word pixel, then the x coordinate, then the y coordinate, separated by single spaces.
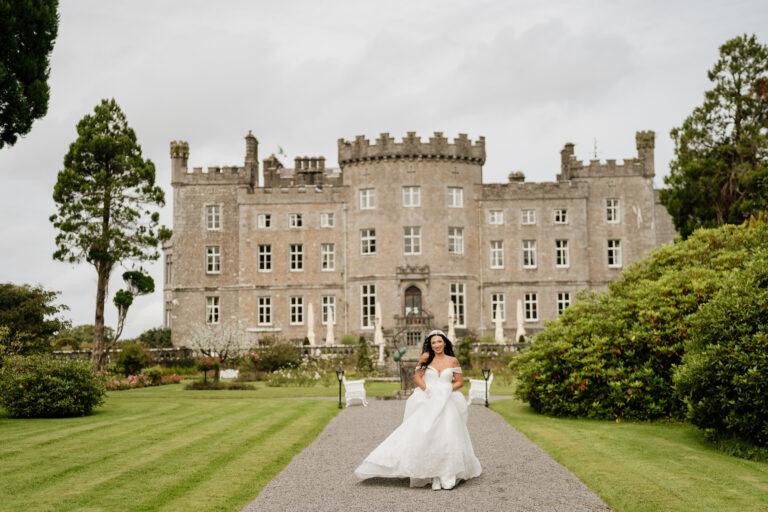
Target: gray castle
pixel 409 225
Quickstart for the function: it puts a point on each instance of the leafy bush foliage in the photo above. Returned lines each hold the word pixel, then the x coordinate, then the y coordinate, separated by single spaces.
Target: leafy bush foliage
pixel 132 358
pixel 348 339
pixel 364 363
pixel 464 352
pixel 613 355
pixel 40 387
pixel 154 374
pixel 276 356
pixel 724 378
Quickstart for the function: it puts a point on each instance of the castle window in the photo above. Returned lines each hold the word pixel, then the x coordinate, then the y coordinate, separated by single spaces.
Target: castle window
pixel 457 296
pixel 367 305
pixel 329 309
pixel 368 241
pixel 411 240
pixel 297 310
pixel 265 258
pixel 326 220
pixel 528 217
pixel 455 197
pixel 497 307
pixel 531 307
pixel 561 216
pixel 213 216
pixel 411 196
pixel 167 315
pixel 614 253
pixel 562 254
pixel 368 199
pixel 168 268
pixel 612 214
pixel 327 257
pixel 529 253
pixel 265 220
pixel 265 310
pixel 455 240
pixel 212 309
pixel 497 254
pixel 496 217
pixel 213 259
pixel 563 301
pixel 297 257
pixel 295 220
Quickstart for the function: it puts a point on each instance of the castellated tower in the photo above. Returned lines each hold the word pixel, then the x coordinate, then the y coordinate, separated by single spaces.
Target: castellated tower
pixel 408 224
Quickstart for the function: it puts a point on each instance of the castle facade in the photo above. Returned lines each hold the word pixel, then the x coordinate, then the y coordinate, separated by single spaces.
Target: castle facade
pixel 409 225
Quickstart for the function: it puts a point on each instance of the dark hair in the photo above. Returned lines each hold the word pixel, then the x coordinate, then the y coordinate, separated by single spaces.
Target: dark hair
pixel 427 347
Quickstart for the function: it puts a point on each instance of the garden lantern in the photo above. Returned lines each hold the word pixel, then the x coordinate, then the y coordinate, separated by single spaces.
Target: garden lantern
pixel 340 376
pixel 486 374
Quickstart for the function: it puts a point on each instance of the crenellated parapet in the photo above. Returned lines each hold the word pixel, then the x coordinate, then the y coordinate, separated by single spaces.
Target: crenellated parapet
pixel 643 165
pixel 520 190
pixel 411 146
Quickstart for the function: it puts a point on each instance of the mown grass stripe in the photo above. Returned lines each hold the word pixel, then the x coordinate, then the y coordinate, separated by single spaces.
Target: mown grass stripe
pixel 253 482
pixel 129 467
pixel 639 467
pixel 196 488
pixel 48 474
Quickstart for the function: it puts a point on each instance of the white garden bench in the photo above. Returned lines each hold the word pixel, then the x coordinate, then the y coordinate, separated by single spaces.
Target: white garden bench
pixel 354 390
pixel 477 389
pixel 228 374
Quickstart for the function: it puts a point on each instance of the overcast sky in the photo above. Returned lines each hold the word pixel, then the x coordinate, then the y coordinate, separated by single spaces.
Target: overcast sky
pixel 528 75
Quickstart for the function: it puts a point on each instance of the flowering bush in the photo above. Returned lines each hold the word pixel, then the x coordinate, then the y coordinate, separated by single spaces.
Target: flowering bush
pixel 207 364
pixel 116 382
pixel 307 374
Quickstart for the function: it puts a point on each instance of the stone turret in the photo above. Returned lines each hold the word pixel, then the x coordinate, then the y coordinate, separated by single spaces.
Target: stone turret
pixel 252 159
pixel 646 141
pixel 438 147
pixel 179 157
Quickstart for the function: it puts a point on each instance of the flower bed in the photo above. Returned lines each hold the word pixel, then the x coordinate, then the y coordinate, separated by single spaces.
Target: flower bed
pixel 118 382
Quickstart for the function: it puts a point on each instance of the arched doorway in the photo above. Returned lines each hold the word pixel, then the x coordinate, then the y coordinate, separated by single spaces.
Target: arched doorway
pixel 412 301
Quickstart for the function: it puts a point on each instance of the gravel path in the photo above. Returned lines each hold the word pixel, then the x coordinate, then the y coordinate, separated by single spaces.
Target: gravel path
pixel 517 475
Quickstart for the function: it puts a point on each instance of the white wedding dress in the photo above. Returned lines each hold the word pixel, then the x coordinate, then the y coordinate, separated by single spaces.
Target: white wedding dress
pixel 432 445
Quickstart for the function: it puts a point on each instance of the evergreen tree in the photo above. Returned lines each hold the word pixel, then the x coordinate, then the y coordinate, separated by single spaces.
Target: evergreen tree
pixel 720 171
pixel 364 363
pixel 105 197
pixel 27 32
pixel 30 317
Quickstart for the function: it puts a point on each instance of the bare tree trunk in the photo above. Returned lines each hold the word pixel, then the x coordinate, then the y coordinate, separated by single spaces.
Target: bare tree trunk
pixel 98 354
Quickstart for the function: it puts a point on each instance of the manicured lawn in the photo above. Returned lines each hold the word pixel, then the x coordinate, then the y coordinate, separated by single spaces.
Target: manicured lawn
pixel 158 448
pixel 645 466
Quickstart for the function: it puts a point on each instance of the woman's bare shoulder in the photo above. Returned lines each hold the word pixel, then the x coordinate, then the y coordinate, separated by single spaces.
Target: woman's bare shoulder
pixel 455 362
pixel 424 357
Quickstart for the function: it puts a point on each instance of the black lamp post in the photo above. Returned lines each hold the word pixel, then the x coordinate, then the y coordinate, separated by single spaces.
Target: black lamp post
pixel 486 374
pixel 340 376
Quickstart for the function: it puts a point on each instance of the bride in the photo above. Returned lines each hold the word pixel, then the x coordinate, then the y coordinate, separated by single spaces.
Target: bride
pixel 432 445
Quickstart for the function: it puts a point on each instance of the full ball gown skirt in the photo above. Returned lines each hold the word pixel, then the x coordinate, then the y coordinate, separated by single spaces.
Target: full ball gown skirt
pixel 433 440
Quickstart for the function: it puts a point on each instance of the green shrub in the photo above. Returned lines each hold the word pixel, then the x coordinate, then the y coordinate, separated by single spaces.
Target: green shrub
pixel 41 387
pixel 199 385
pixel 613 355
pixel 154 373
pixel 724 378
pixel 276 356
pixel 132 358
pixel 364 363
pixel 487 338
pixel 464 352
pixel 348 339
